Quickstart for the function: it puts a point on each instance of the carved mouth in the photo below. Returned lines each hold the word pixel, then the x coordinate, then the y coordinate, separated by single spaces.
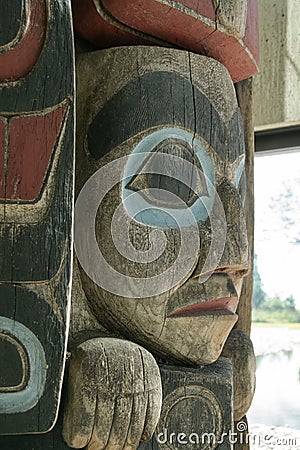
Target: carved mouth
pixel 224 306
pixel 217 296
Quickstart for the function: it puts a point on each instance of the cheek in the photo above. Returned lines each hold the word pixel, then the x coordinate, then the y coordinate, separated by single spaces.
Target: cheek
pixel 131 248
pixel 137 319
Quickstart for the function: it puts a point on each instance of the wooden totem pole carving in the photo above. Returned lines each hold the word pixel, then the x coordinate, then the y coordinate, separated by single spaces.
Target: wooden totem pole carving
pixel 160 231
pixel 36 196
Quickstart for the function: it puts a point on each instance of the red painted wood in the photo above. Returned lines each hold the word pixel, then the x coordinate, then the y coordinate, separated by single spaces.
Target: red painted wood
pixel 93 27
pixel 251 39
pixel 171 25
pixel 31 144
pixel 228 50
pixel 204 7
pixel 2 156
pixel 225 304
pixel 157 19
pixel 134 12
pixel 20 59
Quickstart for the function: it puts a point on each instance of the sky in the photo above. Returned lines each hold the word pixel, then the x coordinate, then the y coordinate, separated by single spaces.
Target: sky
pixel 278 260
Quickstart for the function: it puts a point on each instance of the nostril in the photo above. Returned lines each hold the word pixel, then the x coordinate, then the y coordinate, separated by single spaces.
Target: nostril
pixel 238 273
pixel 234 273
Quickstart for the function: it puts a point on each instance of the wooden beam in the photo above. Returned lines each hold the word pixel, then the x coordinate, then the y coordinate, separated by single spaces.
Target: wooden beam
pixel 245 97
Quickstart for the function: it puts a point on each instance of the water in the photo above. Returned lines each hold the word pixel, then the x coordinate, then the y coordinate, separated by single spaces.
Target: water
pixel 277 397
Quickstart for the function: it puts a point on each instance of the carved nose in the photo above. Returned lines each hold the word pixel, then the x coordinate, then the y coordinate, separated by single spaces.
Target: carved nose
pixel 235 258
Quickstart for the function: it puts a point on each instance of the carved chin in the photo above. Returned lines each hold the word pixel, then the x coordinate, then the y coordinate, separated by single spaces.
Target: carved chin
pixel 197 339
pixel 188 327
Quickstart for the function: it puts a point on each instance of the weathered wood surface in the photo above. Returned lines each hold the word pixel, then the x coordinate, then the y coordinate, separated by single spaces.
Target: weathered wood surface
pixel 190 102
pixel 245 99
pixel 201 400
pixel 226 31
pixel 83 324
pixel 196 409
pixel 52 440
pixel 23 33
pixel 36 198
pixel 114 395
pixel 239 349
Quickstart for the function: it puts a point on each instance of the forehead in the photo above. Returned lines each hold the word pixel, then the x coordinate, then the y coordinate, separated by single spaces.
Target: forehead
pixel 193 93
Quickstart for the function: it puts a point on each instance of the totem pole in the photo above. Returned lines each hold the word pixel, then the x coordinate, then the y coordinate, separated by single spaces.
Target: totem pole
pixel 36 209
pixel 160 233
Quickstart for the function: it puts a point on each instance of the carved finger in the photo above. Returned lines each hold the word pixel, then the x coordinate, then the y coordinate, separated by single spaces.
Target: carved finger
pixel 152 413
pixel 81 404
pixel 137 423
pixel 86 373
pixel 104 416
pixel 120 424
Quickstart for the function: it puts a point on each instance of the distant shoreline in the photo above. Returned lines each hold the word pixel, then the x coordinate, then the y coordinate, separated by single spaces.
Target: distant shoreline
pixel 290 325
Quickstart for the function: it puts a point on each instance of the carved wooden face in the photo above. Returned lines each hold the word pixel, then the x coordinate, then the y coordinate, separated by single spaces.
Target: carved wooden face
pixel 163 251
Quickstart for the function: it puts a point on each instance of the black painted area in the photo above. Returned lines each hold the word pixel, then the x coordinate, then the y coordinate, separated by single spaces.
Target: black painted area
pixel 192 417
pixel 236 142
pixel 11 368
pixel 156 99
pixel 49 441
pixel 279 139
pixel 49 81
pixel 36 252
pixel 35 313
pixel 10 20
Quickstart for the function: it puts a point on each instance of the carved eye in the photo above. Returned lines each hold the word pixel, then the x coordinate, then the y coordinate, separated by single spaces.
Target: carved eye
pixel 168 177
pixel 155 186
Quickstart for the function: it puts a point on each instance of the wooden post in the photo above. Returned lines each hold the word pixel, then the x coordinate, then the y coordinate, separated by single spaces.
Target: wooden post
pixel 36 210
pixel 245 100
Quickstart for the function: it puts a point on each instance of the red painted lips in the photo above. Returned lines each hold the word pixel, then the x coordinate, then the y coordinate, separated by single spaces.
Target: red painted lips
pixel 226 305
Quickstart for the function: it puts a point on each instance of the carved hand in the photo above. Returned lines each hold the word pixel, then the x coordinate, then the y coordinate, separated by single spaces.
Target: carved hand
pixel 114 395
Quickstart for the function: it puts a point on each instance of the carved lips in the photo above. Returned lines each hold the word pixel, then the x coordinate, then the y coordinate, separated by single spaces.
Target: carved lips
pixel 218 295
pixel 226 305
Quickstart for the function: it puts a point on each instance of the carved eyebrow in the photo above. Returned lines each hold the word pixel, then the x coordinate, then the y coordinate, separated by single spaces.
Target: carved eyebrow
pixel 156 99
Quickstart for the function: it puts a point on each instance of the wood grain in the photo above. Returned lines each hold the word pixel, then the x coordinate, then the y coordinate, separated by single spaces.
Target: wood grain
pixel 245 99
pixel 196 409
pixel 20 55
pixel 114 395
pixel 36 209
pixel 239 349
pixel 152 90
pixel 226 31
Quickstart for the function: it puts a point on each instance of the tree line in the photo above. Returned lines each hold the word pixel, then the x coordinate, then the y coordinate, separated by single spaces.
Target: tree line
pixel 271 309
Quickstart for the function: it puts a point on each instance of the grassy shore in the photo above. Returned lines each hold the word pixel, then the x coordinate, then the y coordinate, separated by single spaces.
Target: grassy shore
pixel 289 325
